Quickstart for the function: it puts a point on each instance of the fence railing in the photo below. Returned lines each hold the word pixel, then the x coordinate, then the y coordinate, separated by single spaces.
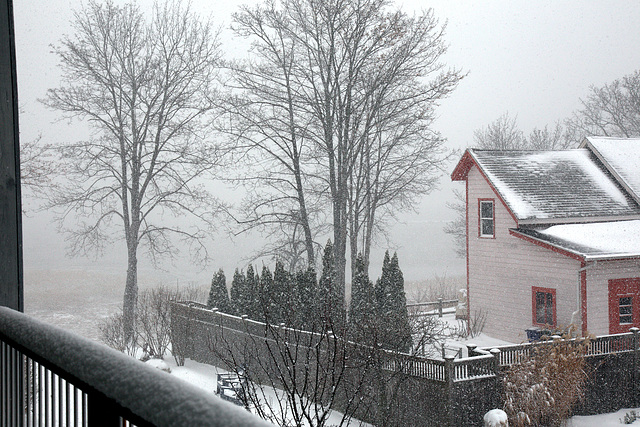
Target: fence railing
pixel 431 308
pixel 481 363
pixel 595 346
pixel 52 377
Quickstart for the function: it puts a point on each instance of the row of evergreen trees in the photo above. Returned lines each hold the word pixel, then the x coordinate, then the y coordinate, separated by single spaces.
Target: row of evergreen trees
pixel 376 312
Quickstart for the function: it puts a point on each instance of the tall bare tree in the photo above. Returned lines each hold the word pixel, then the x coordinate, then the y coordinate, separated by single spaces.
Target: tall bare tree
pixel 146 87
pixel 348 107
pixel 36 168
pixel 368 70
pixel 268 127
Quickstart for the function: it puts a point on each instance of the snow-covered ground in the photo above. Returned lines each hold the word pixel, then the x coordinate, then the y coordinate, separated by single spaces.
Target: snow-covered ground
pixel 603 420
pixel 205 377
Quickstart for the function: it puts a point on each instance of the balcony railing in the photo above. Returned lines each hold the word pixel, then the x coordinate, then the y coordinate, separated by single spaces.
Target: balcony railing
pixel 51 377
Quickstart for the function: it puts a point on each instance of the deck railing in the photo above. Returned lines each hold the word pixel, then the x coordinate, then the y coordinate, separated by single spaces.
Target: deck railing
pixel 596 346
pixel 51 377
pixel 481 363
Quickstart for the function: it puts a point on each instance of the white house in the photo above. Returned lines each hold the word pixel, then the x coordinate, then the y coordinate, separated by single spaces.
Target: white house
pixel 553 237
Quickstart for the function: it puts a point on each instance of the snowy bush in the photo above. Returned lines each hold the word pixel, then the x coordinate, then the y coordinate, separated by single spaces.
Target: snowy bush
pixel 630 417
pixel 475 325
pixel 543 388
pixel 112 334
pixel 153 322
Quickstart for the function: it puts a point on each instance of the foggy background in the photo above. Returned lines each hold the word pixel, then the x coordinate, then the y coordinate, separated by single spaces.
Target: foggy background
pixel 534 60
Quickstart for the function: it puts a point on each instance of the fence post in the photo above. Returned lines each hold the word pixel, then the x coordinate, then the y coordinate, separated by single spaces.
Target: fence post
pixel 449 373
pixel 634 371
pixel 497 390
pixel 439 307
pixel 471 349
pixel 495 352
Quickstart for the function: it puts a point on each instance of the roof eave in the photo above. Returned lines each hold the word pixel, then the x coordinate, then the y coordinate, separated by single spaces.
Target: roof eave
pixel 461 171
pixel 578 256
pixel 547 245
pixel 576 220
pixel 611 257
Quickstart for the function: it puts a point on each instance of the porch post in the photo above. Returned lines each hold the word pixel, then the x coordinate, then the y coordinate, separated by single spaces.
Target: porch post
pixel 11 294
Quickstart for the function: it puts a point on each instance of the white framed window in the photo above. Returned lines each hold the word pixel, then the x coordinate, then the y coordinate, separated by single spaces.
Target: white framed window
pixel 486 222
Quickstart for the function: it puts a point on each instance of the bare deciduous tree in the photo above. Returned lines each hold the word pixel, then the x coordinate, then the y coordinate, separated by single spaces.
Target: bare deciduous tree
pixel 551 138
pixel 146 88
pixel 344 111
pixel 268 128
pixel 501 134
pixel 36 168
pixel 610 110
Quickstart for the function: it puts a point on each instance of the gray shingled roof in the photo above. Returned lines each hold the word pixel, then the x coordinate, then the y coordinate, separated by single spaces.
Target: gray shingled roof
pixel 555 185
pixel 621 156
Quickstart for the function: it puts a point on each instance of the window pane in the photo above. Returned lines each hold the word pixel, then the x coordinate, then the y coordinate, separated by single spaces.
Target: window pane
pixel 540 307
pixel 487 227
pixel 549 308
pixel 544 308
pixel 626 320
pixel 626 310
pixel 486 210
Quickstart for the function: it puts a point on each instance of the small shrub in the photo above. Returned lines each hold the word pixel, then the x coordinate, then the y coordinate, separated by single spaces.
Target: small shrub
pixel 542 389
pixel 473 327
pixel 630 417
pixel 477 322
pixel 153 322
pixel 112 334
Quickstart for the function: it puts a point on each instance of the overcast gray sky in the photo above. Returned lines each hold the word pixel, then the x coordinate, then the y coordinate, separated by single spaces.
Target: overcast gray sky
pixel 532 59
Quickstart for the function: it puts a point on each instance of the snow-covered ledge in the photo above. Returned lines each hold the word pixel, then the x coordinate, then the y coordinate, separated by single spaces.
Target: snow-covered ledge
pixel 148 393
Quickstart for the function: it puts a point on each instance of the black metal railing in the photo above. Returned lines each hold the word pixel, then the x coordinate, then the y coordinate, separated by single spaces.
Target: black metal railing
pixel 51 377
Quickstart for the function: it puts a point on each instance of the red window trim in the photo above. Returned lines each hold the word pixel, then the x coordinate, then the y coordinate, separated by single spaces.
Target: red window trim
pixel 551 291
pixel 619 288
pixel 480 235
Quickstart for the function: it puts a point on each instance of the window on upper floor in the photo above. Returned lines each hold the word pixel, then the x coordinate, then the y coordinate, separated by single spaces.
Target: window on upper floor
pixel 544 306
pixel 486 218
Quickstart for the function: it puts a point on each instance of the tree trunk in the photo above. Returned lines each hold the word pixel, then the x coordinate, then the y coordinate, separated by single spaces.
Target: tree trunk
pixel 130 293
pixel 304 218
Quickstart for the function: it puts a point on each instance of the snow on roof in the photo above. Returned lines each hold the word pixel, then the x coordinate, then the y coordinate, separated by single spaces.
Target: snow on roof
pixel 592 241
pixel 621 156
pixel 547 185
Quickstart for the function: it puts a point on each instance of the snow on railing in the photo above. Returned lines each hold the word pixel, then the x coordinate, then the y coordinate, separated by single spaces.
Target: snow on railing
pixel 596 346
pixel 49 376
pixel 483 366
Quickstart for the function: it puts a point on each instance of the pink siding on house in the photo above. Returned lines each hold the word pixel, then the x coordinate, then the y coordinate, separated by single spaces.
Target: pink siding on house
pixel 503 270
pixel 598 276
